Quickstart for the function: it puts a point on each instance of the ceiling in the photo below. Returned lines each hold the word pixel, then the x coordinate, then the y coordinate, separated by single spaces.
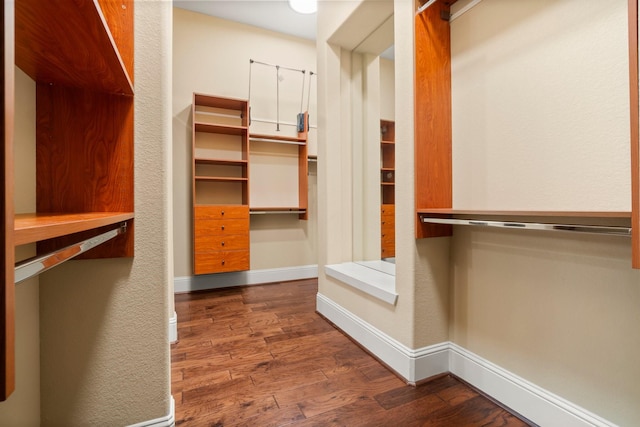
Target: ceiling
pixel 275 15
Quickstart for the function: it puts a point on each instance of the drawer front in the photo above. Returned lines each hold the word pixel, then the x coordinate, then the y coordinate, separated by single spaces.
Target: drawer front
pixel 388 251
pixel 221 261
pixel 220 227
pixel 387 212
pixel 217 242
pixel 221 212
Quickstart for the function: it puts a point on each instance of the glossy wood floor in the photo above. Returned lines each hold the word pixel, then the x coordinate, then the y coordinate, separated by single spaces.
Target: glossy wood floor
pixel 261 356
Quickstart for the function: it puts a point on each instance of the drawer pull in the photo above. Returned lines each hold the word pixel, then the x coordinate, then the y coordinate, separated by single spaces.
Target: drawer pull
pixel 222 243
pixel 222 213
pixel 223 227
pixel 222 262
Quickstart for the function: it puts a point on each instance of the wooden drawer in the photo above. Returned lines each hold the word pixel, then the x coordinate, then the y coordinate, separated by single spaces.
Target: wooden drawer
pixel 220 227
pixel 387 212
pixel 220 261
pixel 221 212
pixel 388 251
pixel 217 242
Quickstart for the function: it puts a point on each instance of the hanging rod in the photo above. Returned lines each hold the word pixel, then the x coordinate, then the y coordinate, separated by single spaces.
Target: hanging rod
pixel 277 141
pixel 282 123
pixel 274 65
pixel 593 229
pixel 426 6
pixel 464 10
pixel 34 266
pixel 283 211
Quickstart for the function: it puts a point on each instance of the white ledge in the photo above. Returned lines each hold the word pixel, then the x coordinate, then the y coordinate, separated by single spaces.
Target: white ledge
pixel 379 284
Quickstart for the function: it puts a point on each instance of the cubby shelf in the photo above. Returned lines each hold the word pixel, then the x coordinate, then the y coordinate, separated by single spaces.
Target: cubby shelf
pixel 216 128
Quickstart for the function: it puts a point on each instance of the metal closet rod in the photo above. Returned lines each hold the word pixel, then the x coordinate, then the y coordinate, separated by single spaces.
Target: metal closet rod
pixel 276 66
pixel 456 15
pixel 283 211
pixel 592 229
pixel 276 141
pixel 34 266
pixel 282 123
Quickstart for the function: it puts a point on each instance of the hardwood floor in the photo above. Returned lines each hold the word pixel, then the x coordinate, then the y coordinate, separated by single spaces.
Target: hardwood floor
pixel 261 356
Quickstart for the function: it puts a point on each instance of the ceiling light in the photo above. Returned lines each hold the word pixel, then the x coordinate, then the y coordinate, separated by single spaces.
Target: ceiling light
pixel 304 6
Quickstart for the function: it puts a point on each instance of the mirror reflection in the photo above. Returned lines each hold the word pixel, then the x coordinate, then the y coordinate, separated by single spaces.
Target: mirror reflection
pixel 373 115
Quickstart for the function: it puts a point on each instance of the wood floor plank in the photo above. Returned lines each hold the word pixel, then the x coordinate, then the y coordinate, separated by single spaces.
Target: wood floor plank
pixel 261 356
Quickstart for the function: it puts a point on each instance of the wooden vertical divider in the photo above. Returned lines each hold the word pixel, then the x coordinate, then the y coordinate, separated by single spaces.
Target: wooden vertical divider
pixel 7 296
pixel 433 164
pixel 635 130
pixel 303 170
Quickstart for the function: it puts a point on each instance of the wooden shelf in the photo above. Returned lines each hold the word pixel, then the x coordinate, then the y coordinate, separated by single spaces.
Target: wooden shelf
pixel 222 162
pixel 507 213
pixel 72 46
pixel 203 100
pixel 220 179
pixel 387 142
pixel 278 138
pixel 31 228
pixel 223 129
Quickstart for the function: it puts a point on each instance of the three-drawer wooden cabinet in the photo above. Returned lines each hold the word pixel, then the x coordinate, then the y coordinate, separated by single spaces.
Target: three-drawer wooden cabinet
pixel 221 239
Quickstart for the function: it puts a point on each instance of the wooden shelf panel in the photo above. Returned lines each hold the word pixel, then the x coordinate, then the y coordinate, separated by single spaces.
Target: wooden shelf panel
pixel 220 179
pixel 223 129
pixel 507 213
pixel 277 138
pixel 216 102
pixel 86 57
pixel 222 162
pixel 31 228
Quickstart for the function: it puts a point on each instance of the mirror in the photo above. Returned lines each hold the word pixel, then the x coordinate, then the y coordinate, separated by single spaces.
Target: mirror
pixel 373 117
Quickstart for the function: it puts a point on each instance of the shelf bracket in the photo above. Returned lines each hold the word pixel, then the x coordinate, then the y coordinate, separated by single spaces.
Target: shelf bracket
pixel 34 266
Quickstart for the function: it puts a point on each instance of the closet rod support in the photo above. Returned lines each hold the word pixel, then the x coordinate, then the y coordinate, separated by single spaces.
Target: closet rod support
pixel 34 266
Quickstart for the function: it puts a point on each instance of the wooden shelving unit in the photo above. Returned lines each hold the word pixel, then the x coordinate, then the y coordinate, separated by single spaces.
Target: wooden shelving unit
pixel 220 164
pixel 433 134
pixel 387 188
pixel 81 57
pixel 303 167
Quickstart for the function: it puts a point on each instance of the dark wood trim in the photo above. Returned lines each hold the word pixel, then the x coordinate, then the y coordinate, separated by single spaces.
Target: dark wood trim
pixel 433 164
pixel 7 293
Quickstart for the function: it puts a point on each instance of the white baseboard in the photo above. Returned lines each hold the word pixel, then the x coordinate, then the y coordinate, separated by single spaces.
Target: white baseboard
pixel 525 398
pixel 532 402
pixel 168 420
pixel 412 365
pixel 241 278
pixel 173 328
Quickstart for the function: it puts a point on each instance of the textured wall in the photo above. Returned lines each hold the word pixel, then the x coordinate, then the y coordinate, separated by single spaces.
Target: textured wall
pixel 23 407
pixel 104 341
pixel 541 122
pixel 211 56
